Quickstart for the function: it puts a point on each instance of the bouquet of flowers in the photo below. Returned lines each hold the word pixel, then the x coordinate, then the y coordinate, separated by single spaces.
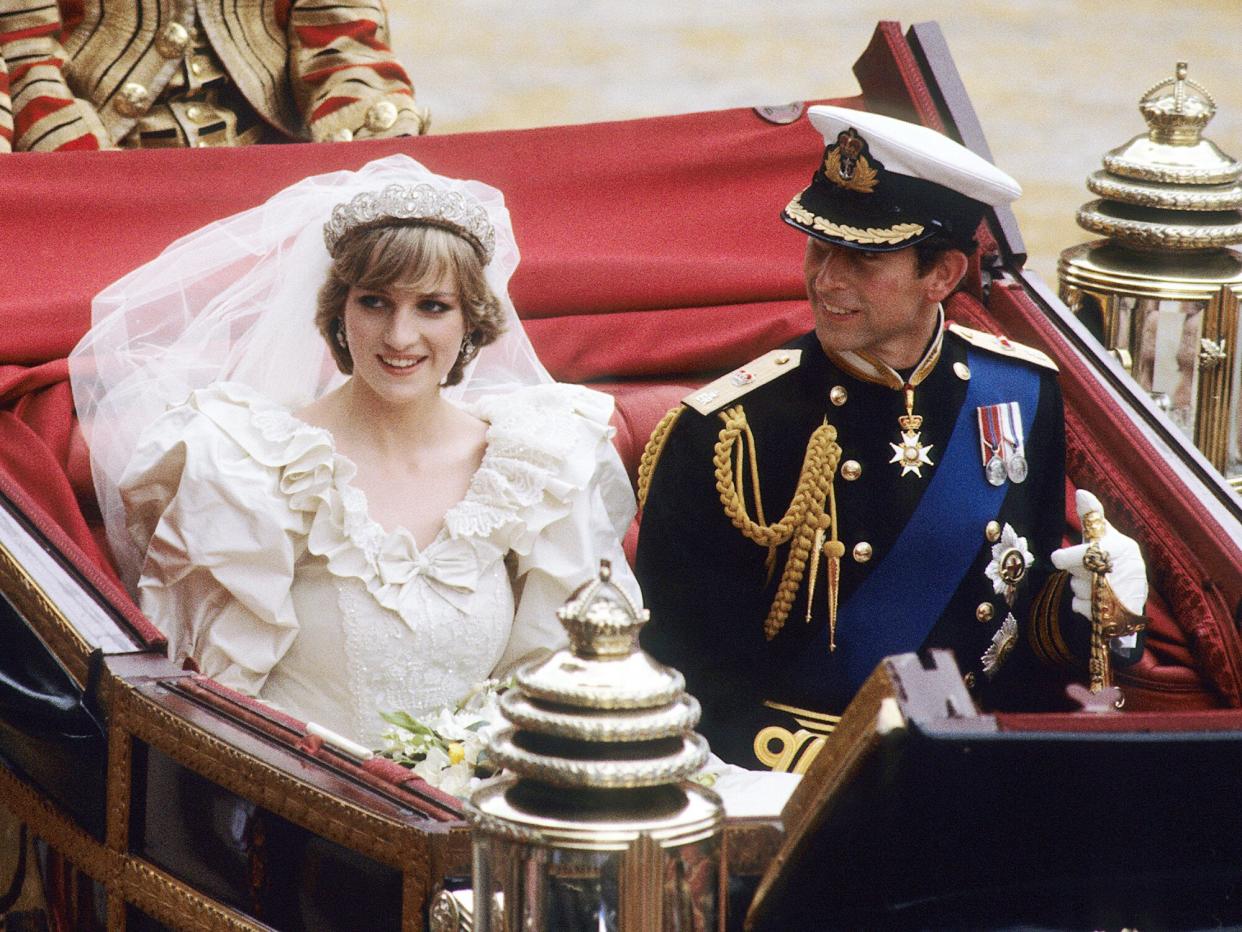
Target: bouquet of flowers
pixel 448 747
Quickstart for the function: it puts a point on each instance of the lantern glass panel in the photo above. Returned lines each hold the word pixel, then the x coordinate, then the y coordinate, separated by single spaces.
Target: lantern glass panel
pixel 531 886
pixel 1165 336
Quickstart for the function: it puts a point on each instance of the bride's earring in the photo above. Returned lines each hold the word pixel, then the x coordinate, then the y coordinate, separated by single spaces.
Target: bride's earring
pixel 468 349
pixel 341 339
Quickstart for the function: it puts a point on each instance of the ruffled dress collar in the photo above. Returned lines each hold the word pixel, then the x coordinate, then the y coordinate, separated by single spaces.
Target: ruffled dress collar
pixel 525 458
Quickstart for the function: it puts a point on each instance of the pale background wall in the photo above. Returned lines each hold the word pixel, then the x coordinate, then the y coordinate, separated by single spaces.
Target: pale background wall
pixel 1055 82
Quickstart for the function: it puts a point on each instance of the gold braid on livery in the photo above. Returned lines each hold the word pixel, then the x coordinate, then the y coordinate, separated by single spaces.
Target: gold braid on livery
pixel 811 513
pixel 95 74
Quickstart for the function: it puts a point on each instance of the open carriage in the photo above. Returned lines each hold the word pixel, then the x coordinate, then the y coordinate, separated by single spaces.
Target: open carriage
pixel 652 259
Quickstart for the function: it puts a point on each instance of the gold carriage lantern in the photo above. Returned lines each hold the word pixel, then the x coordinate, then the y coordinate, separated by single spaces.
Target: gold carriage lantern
pixel 1162 291
pixel 597 826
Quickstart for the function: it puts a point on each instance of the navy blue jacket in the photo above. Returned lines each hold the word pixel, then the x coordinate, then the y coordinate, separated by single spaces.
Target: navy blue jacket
pixel 708 587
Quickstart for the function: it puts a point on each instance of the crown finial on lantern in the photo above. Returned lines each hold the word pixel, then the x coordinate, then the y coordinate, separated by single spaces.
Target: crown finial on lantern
pixel 1177 117
pixel 1169 189
pixel 600 618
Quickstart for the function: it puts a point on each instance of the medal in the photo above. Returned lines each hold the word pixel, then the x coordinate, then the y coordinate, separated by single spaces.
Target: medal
pixel 1001 647
pixel 994 469
pixel 1011 559
pixel 1001 443
pixel 911 453
pixel 1015 468
pixel 990 445
pixel 1011 425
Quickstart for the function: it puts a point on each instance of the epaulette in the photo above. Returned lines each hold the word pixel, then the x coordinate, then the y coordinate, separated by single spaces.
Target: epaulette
pixel 732 386
pixel 1003 345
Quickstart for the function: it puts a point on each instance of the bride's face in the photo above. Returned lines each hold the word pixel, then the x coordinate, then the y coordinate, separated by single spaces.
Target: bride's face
pixel 404 338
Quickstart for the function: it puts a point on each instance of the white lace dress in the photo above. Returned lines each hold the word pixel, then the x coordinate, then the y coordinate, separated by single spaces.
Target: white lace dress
pixel 263 564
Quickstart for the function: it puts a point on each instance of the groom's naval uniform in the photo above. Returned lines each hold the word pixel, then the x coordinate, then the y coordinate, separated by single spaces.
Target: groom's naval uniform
pixel 914 548
pixel 813 512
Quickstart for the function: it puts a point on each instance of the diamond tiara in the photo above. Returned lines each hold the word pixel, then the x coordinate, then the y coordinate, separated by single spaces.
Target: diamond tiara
pixel 451 209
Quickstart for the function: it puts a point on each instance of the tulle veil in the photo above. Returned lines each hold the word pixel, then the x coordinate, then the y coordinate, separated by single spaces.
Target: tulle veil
pixel 235 301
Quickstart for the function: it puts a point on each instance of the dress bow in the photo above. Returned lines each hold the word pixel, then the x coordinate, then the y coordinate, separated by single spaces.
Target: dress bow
pixel 451 568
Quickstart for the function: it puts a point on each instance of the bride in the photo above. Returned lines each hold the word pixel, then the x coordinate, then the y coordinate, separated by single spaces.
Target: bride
pixel 359 503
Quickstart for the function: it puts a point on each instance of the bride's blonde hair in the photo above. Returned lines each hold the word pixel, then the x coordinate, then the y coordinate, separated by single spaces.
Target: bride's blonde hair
pixel 413 254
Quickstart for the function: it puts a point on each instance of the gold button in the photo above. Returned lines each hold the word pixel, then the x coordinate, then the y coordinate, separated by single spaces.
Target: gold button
pixel 197 113
pixel 782 358
pixel 985 612
pixel 838 396
pixel 851 470
pixel 381 115
pixel 344 134
pixel 969 680
pixel 172 40
pixel 133 99
pixel 197 66
pixel 202 144
pixel 992 532
pixel 962 371
pixel 862 552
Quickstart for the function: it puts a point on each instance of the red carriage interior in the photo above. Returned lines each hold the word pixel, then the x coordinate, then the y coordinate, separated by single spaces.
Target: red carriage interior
pixel 653 258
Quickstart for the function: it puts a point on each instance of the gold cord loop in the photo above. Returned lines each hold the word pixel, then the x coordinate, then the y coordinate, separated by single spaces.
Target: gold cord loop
pixel 805 524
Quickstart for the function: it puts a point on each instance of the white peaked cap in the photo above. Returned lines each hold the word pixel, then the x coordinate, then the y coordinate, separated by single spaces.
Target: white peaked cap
pixel 920 152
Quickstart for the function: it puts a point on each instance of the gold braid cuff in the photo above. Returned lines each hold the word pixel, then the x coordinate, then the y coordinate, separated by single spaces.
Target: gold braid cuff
pixel 805 521
pixel 1044 632
pixel 653 449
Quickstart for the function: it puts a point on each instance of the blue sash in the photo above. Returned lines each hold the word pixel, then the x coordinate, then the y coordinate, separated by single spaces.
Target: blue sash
pixel 905 594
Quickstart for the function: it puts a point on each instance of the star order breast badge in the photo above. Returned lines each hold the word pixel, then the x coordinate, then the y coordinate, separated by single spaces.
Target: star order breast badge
pixel 1011 558
pixel 1001 647
pixel 911 453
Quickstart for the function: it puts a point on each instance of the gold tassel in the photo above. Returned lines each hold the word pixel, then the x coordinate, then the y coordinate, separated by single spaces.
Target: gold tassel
pixel 833 550
pixel 816 549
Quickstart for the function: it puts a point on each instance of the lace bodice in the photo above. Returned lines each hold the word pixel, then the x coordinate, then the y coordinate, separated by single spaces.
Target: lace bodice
pixel 264 565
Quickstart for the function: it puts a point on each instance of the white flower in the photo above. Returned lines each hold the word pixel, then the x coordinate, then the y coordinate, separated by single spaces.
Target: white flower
pixel 433 764
pixel 447 747
pixel 457 779
pixel 449 725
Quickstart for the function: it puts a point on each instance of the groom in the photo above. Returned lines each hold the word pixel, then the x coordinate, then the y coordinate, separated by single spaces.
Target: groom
pixel 881 485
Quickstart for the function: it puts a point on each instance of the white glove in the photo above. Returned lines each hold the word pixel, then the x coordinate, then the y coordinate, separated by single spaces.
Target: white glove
pixel 1128 575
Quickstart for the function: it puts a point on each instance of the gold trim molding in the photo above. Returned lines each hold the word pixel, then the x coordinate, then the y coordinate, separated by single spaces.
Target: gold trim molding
pixel 125 877
pixel 44 616
pixel 1145 195
pixel 382 839
pixel 1155 235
